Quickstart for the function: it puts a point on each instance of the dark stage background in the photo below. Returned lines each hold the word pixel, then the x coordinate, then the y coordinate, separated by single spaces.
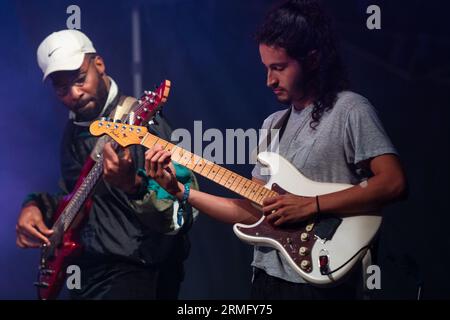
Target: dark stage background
pixel 206 49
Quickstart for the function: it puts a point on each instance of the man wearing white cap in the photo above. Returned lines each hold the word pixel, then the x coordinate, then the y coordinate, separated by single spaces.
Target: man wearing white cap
pixel 125 256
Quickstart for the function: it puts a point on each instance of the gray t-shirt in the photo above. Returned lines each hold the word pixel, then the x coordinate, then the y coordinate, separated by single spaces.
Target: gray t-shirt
pixel 346 135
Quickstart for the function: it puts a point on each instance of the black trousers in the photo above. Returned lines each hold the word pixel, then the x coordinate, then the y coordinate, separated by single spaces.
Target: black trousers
pixel 266 287
pixel 128 281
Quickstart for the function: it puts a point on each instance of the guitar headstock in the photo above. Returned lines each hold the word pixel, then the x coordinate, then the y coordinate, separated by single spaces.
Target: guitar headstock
pixel 150 103
pixel 123 134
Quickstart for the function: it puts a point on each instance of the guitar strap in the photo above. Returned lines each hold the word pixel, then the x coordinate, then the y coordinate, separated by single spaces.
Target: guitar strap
pixel 282 123
pixel 279 125
pixel 125 105
pixel 120 112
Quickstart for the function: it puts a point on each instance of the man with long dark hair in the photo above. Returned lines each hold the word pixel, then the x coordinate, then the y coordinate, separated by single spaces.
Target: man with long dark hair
pixel 331 135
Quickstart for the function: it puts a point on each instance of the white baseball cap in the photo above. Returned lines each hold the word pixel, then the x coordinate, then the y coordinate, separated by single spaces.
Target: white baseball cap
pixel 63 50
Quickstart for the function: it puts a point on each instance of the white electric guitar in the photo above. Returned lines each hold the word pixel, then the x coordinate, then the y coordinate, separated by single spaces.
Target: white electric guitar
pixel 322 251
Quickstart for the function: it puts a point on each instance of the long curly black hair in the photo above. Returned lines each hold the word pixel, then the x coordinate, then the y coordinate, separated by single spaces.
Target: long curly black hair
pixel 300 27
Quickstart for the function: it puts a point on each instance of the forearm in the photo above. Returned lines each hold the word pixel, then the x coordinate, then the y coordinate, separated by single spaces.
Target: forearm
pixel 222 209
pixel 46 202
pixel 369 196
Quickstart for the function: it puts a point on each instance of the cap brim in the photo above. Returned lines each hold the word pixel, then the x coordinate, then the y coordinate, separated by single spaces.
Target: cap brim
pixel 69 64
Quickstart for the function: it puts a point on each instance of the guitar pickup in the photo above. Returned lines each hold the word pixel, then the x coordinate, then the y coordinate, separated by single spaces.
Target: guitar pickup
pixel 41 284
pixel 47 271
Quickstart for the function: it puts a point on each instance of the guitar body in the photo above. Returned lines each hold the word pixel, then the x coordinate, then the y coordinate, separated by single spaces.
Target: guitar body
pixel 306 250
pixel 64 248
pixel 53 269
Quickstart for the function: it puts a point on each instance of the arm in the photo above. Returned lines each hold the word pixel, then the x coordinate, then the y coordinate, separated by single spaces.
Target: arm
pixel 159 167
pixel 31 229
pixel 220 208
pixel 387 185
pixel 119 171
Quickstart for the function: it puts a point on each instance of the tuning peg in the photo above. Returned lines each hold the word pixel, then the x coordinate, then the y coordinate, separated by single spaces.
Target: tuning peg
pixel 118 121
pixel 103 119
pixel 305 265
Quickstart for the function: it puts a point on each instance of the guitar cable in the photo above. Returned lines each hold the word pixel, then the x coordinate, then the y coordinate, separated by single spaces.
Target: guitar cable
pixel 347 262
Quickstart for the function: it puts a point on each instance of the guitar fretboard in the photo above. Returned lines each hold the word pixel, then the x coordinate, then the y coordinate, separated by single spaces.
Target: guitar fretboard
pixel 226 178
pixel 80 196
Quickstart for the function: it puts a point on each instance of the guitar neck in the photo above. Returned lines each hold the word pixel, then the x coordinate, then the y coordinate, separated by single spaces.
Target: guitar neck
pixel 146 109
pixel 226 178
pixel 80 194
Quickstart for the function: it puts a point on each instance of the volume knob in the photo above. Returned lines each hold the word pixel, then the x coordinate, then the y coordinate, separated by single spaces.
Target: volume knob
pixel 303 251
pixel 304 236
pixel 305 265
pixel 309 227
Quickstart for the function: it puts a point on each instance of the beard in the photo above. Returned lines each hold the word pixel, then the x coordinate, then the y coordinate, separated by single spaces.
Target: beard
pixel 298 91
pixel 90 109
pixel 284 98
